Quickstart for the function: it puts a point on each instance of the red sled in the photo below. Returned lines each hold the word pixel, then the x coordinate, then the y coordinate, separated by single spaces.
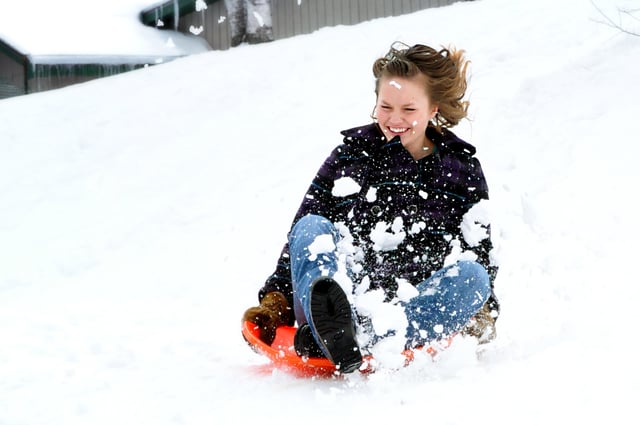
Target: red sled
pixel 283 356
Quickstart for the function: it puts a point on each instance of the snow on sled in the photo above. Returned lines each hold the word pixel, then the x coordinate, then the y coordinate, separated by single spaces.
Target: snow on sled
pixel 283 355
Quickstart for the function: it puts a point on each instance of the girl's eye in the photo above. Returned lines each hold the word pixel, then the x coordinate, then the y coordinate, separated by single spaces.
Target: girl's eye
pixel 409 109
pixel 385 107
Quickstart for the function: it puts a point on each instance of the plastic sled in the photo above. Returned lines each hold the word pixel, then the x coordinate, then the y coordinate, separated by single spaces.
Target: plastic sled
pixel 283 356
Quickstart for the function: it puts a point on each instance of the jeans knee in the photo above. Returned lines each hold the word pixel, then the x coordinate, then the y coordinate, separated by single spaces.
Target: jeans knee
pixel 314 222
pixel 476 275
pixel 311 220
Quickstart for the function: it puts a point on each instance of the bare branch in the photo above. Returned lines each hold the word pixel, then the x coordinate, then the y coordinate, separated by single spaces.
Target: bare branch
pixel 630 13
pixel 610 22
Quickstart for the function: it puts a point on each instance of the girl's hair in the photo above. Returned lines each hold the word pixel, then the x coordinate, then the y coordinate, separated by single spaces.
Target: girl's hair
pixel 445 72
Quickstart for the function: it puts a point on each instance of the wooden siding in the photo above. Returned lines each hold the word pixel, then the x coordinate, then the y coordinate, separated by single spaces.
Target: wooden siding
pixel 214 23
pixel 43 77
pixel 12 72
pixel 295 17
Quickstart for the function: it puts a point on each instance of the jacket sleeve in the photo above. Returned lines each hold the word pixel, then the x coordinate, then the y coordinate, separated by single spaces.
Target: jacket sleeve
pixel 319 200
pixel 484 247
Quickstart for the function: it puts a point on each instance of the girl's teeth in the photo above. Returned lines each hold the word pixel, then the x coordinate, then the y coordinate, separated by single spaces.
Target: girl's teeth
pixel 398 130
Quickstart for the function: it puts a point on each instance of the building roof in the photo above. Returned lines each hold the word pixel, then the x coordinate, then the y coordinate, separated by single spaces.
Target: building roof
pixel 44 29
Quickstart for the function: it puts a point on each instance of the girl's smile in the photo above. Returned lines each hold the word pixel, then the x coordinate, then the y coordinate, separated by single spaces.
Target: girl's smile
pixel 403 109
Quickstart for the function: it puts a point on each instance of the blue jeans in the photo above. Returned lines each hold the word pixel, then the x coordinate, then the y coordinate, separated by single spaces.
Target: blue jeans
pixel 446 301
pixel 306 264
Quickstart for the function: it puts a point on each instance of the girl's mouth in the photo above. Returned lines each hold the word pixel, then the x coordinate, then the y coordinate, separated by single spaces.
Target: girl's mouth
pixel 398 130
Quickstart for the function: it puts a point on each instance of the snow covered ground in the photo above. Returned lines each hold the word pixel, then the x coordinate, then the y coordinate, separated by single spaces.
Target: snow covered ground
pixel 140 214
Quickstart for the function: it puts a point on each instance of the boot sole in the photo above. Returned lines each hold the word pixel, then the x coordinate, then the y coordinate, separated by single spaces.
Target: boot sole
pixel 333 322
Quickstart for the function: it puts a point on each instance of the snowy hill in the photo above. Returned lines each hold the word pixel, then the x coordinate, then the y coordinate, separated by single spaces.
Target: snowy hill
pixel 140 214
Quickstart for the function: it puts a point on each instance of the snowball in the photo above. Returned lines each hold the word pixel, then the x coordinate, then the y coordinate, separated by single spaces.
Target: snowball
pixel 397 225
pixel 200 5
pixel 367 302
pixel 385 317
pixel 453 272
pixel 196 30
pixel 417 228
pixel 345 186
pixel 372 194
pixel 321 244
pixel 406 290
pixel 475 222
pixel 386 241
pixel 457 254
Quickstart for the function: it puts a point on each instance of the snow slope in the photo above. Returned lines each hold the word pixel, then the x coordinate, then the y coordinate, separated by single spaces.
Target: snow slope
pixel 140 214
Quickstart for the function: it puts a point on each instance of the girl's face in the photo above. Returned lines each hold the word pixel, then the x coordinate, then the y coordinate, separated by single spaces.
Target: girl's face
pixel 404 109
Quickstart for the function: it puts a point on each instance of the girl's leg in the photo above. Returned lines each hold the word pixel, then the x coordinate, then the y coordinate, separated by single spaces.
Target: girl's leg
pixel 321 307
pixel 312 244
pixel 446 302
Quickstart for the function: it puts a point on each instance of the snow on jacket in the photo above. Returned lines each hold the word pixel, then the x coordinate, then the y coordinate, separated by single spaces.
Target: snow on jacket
pixel 405 215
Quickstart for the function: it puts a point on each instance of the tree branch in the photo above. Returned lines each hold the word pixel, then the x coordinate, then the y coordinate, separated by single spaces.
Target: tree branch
pixel 610 22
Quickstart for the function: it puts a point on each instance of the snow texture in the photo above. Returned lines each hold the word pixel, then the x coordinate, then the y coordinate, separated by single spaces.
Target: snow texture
pixel 71 27
pixel 140 214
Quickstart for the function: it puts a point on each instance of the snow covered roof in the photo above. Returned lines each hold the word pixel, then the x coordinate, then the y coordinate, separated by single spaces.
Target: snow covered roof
pixel 45 30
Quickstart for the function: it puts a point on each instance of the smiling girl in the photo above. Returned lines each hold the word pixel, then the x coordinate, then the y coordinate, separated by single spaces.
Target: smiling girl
pixel 414 187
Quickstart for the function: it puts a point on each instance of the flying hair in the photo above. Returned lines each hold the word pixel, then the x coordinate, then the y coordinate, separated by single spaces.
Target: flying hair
pixel 445 76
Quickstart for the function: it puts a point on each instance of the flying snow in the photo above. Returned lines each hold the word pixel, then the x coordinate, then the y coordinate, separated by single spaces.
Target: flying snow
pixel 345 186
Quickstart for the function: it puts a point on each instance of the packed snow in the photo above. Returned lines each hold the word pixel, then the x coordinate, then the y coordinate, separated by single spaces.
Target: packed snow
pixel 141 213
pixel 46 30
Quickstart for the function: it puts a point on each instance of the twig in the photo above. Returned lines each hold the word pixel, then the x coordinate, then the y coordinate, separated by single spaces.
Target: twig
pixel 612 24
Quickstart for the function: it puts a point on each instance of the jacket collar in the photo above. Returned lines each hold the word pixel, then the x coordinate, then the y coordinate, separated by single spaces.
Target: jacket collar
pixel 367 137
pixel 370 138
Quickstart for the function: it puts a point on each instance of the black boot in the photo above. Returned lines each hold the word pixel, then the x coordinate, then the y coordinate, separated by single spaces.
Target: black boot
pixel 332 318
pixel 305 344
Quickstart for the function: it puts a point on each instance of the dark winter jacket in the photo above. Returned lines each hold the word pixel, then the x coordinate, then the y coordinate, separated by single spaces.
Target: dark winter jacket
pixel 427 197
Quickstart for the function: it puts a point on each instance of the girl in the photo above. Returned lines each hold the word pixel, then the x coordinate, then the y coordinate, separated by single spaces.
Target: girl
pixel 407 195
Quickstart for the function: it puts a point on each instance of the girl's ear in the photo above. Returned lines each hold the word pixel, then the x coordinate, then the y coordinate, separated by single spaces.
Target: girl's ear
pixel 434 111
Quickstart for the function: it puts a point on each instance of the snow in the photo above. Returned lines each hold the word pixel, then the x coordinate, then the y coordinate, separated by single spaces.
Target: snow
pixel 140 214
pixel 385 240
pixel 345 186
pixel 321 244
pixel 43 28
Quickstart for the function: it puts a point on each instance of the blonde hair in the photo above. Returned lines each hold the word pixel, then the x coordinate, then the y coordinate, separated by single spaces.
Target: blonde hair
pixel 446 77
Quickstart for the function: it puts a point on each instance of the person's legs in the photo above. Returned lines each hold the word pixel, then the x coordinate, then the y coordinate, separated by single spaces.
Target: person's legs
pixel 259 26
pixel 237 14
pixel 320 305
pixel 446 302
